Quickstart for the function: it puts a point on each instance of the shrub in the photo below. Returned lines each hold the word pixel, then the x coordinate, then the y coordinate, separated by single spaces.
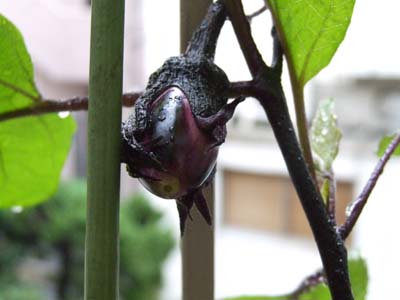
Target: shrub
pixel 57 227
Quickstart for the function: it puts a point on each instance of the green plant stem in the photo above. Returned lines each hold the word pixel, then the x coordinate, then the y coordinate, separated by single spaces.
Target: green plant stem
pixel 302 127
pixel 105 92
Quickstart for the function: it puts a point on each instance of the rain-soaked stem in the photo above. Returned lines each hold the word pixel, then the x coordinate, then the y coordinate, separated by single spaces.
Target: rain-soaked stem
pixel 104 139
pixel 268 90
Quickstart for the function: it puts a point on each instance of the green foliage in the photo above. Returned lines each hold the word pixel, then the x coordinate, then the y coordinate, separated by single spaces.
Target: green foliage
pixel 358 276
pixel 311 31
pixel 325 136
pixel 58 226
pixel 384 143
pixel 32 149
pixel 21 291
pixel 16 70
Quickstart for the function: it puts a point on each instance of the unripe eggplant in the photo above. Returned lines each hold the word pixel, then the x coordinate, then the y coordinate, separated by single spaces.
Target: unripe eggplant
pixel 170 141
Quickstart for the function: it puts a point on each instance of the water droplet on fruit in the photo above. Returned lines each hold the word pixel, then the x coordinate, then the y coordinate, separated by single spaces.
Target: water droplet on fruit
pixel 162 115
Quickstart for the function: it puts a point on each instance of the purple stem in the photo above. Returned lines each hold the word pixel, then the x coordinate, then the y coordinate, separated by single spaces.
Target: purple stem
pixel 50 106
pixel 359 203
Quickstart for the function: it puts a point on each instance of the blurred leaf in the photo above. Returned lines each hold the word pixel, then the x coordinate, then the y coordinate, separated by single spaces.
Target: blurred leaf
pixel 325 136
pixel 32 149
pixel 57 227
pixel 311 31
pixel 359 281
pixel 358 277
pixel 384 143
pixel 320 292
pixel 22 291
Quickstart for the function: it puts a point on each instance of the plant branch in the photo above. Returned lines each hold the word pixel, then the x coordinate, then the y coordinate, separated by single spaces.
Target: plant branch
pixel 242 88
pixel 51 106
pixel 308 283
pixel 242 30
pixel 358 204
pixel 258 12
pixel 268 90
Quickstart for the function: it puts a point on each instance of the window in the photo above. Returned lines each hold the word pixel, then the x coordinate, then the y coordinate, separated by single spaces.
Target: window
pixel 270 203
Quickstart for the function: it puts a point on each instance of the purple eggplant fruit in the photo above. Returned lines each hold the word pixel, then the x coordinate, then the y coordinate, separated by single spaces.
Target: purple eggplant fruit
pixel 170 141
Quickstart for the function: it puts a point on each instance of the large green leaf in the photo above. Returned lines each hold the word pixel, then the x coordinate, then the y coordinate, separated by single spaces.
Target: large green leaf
pixel 32 149
pixel 358 277
pixel 384 143
pixel 17 88
pixel 311 31
pixel 325 136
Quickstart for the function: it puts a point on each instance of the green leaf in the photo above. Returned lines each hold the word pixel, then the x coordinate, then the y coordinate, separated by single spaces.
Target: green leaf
pixel 384 143
pixel 358 277
pixel 311 31
pixel 32 154
pixel 320 292
pixel 359 281
pixel 325 136
pixel 32 149
pixel 17 88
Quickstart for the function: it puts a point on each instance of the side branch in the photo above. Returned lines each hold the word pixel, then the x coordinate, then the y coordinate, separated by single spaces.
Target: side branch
pixel 50 106
pixel 359 203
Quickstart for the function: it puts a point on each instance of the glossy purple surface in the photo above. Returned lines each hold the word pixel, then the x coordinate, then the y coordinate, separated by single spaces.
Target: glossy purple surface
pixel 183 149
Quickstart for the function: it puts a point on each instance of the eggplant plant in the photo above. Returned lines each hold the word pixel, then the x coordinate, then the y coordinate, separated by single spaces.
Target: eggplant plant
pixel 171 139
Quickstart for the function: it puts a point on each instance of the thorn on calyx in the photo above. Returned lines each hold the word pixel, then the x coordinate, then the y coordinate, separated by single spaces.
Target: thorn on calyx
pixel 184 205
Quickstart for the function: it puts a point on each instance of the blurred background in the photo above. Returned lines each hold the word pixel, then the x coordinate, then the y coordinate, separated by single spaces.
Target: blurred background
pixel 263 243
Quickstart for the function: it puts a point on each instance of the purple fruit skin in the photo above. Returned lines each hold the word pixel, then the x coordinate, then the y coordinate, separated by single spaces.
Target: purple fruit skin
pixel 184 150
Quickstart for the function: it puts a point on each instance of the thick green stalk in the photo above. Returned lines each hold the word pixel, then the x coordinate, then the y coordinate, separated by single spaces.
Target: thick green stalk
pixel 105 91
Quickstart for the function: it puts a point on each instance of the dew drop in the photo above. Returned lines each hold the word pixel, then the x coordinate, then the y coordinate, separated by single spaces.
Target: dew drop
pixel 162 115
pixel 17 209
pixel 63 114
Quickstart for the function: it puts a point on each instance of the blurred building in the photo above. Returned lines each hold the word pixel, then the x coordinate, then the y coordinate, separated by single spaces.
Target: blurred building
pixel 263 245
